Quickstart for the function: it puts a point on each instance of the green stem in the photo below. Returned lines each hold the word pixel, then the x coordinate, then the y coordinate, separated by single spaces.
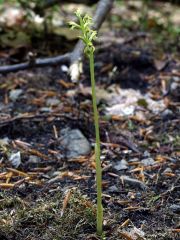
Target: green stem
pixel 97 149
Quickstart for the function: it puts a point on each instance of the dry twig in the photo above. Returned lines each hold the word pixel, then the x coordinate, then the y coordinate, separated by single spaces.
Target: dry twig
pixel 71 58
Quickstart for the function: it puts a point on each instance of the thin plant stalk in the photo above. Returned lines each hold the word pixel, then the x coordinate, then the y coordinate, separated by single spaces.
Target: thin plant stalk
pixel 97 148
pixel 87 36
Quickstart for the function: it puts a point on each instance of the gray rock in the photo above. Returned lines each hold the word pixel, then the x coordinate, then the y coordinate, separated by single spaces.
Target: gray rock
pixel 121 165
pixel 14 94
pixel 33 159
pixel 113 189
pixel 175 208
pixel 15 159
pixel 74 143
pixel 167 113
pixel 175 86
pixel 146 154
pixel 52 102
pixel 148 161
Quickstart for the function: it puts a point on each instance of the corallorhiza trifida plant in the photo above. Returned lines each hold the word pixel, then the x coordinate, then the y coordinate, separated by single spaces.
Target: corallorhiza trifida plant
pixel 87 36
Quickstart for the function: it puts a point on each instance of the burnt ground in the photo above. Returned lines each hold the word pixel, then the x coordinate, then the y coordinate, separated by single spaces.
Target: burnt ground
pixel 51 196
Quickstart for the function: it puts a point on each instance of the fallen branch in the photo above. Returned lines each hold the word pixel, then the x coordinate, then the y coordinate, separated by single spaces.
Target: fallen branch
pixel 50 3
pixel 35 117
pixel 102 10
pixel 36 63
pixel 41 6
pixel 72 58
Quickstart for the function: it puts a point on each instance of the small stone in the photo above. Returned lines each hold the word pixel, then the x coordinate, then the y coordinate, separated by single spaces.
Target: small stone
pixel 127 151
pixel 173 160
pixel 14 94
pixel 74 143
pixel 52 102
pixel 45 109
pixel 175 86
pixel 148 162
pixel 15 159
pixel 175 208
pixel 176 79
pixel 138 195
pixel 33 159
pixel 167 113
pixel 121 165
pixel 113 189
pixel 146 154
pixel 168 170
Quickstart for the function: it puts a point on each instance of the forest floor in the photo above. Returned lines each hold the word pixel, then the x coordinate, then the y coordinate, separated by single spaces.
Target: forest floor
pixel 47 163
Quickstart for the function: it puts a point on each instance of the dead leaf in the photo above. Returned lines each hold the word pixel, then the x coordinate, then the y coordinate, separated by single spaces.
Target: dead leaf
pixel 65 202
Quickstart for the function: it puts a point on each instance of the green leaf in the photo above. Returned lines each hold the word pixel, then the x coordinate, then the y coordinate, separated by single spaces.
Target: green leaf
pixel 93 35
pixel 74 25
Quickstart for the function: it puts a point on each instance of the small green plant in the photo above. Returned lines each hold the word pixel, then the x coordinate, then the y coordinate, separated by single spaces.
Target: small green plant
pixel 87 36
